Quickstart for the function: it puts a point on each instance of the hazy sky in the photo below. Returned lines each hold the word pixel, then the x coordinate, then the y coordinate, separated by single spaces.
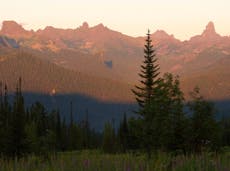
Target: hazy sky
pixel 183 18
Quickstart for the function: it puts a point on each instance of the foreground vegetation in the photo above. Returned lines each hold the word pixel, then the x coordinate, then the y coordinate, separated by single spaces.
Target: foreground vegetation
pixel 97 161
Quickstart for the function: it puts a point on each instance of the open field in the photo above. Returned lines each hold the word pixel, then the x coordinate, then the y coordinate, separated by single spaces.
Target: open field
pixel 97 161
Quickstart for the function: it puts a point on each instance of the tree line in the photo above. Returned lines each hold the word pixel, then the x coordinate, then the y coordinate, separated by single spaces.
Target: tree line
pixel 34 130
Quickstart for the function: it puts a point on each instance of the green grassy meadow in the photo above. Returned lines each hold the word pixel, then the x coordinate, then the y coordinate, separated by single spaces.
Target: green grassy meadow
pixel 98 161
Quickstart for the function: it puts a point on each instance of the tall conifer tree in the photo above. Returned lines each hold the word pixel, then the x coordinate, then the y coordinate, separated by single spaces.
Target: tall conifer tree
pixel 147 92
pixel 123 134
pixel 18 134
pixel 149 76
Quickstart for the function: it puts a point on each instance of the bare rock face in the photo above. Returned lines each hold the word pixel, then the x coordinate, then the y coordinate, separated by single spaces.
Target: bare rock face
pixel 12 28
pixel 210 31
pixel 208 38
pixel 15 30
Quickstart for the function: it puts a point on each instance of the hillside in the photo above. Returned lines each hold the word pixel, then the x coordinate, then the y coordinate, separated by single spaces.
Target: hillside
pixel 214 81
pixel 39 76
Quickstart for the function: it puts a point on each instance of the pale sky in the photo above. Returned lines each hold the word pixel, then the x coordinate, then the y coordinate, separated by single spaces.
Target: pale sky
pixel 182 18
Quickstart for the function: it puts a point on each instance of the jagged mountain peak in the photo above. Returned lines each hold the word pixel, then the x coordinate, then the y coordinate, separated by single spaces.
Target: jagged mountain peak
pixel 161 34
pixel 49 28
pixel 209 30
pixel 15 30
pixel 11 26
pixel 85 25
pixel 209 36
pixel 100 27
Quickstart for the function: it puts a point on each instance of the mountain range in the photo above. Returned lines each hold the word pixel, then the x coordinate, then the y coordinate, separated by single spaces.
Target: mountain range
pixel 103 64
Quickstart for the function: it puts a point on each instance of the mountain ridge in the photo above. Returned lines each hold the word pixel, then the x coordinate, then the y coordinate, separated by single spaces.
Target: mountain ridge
pixel 19 28
pixel 102 52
